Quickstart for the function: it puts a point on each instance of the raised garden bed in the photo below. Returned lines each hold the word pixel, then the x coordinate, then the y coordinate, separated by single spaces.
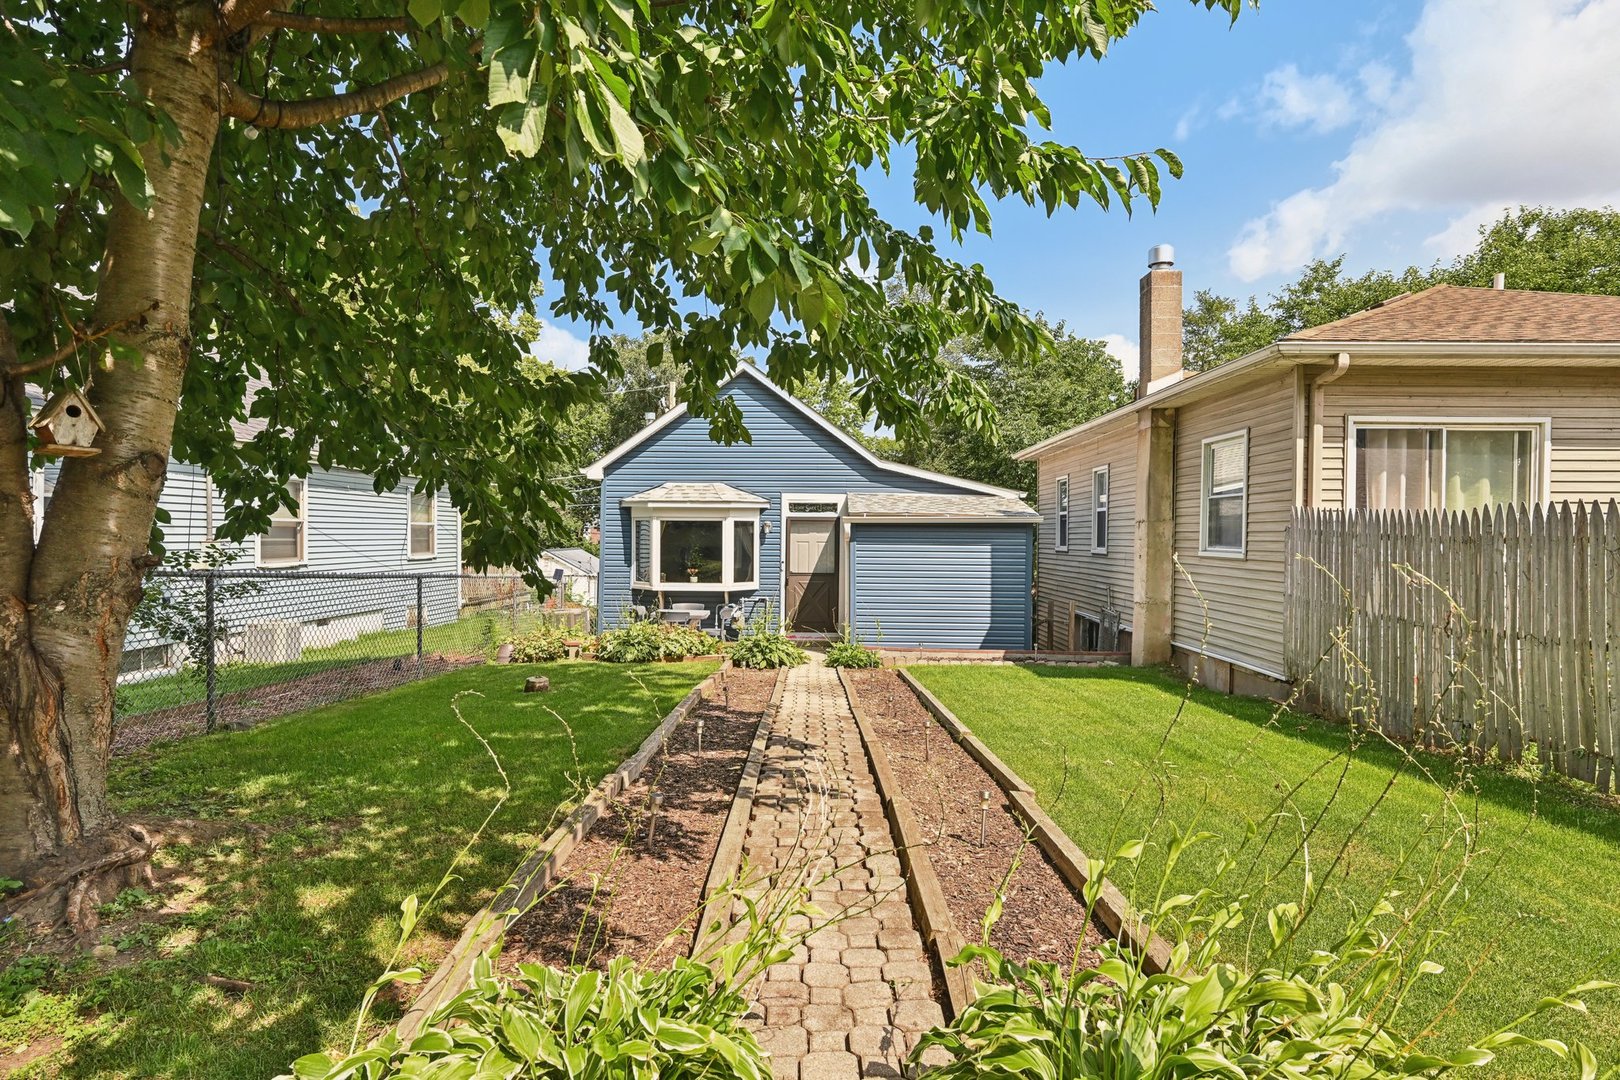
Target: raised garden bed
pixel 1043 918
pixel 623 895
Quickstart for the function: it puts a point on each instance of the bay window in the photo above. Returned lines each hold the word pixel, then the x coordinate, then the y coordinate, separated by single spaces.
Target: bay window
pixel 1456 466
pixel 675 550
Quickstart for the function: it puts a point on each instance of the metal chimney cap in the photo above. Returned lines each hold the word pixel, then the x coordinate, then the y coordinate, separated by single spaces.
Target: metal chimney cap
pixel 1161 257
pixel 1499 281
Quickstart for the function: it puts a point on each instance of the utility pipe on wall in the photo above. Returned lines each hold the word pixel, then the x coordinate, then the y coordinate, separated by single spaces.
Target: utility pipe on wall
pixel 1341 364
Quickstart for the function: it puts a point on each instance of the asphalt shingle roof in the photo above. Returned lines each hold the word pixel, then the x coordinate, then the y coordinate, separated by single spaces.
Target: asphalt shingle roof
pixel 901 504
pixel 696 494
pixel 1459 313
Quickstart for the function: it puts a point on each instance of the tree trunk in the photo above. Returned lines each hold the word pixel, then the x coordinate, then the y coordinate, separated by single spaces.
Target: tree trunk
pixel 65 602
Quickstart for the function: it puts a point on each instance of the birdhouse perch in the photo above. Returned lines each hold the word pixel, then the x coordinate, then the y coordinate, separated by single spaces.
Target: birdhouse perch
pixel 67 425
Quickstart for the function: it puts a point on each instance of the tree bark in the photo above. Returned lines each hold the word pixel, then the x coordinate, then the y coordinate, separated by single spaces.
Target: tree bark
pixel 65 602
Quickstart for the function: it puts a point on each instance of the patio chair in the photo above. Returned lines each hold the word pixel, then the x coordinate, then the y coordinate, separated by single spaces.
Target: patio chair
pixel 722 622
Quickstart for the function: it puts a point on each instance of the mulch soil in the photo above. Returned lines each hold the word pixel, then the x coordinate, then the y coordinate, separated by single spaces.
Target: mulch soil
pixel 1042 918
pixel 623 895
pixel 244 708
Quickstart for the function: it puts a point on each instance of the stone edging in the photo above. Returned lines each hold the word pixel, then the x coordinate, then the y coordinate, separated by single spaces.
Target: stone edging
pixel 538 871
pixel 923 890
pixel 1113 910
pixel 728 852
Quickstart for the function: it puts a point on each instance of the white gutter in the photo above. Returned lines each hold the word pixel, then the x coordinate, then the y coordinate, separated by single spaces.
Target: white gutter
pixel 1341 364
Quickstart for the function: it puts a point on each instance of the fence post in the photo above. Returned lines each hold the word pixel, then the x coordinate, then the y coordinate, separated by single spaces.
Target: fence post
pixel 421 620
pixel 210 668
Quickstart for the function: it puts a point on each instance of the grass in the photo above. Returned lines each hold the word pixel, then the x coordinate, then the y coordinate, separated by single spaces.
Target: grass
pixel 1542 907
pixel 317 827
pixel 472 635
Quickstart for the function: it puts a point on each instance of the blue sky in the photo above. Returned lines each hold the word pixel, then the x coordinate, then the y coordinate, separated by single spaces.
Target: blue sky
pixel 1386 131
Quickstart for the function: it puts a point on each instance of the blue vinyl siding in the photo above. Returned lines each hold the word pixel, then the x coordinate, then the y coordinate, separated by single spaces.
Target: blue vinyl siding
pixel 943 586
pixel 350 528
pixel 787 452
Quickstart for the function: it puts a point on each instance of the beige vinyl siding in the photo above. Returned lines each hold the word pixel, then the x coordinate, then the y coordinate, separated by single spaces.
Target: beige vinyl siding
pixel 1077 580
pixel 1583 405
pixel 1244 594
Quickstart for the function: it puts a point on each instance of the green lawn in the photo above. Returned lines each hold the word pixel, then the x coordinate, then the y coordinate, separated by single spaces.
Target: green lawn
pixel 1543 909
pixel 471 635
pixel 333 817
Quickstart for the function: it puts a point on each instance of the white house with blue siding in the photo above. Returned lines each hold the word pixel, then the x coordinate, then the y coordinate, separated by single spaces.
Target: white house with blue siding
pixel 805 519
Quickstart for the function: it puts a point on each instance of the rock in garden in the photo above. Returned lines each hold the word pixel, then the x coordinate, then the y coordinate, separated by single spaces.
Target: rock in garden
pixel 104 952
pixel 536 684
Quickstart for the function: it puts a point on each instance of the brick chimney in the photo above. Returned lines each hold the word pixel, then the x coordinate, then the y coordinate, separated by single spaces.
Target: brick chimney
pixel 1161 322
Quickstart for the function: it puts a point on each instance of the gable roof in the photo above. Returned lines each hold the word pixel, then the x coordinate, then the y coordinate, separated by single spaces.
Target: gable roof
pixel 578 558
pixel 1441 324
pixel 1460 313
pixel 596 469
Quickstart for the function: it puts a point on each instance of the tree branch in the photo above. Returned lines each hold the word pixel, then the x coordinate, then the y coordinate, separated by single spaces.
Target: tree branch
pixel 250 108
pixel 234 15
pixel 333 24
pixel 79 336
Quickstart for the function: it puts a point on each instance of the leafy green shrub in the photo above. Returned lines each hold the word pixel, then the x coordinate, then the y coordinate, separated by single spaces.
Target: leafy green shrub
pixel 621 1023
pixel 539 646
pixel 1301 1013
pixel 847 652
pixel 762 646
pixel 643 642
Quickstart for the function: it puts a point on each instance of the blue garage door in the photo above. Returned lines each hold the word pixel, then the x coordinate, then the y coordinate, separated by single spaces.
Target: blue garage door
pixel 942 586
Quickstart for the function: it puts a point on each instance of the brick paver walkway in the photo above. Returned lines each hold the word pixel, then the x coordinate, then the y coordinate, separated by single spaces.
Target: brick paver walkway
pixel 852 1001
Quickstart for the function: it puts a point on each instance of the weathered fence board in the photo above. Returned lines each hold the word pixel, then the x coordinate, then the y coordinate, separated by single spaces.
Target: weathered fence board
pixel 1495 631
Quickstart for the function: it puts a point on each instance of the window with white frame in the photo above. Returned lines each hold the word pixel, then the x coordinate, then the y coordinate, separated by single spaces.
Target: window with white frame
pixel 284 543
pixel 424 525
pixel 685 549
pixel 1226 494
pixel 1062 543
pixel 1413 465
pixel 1099 510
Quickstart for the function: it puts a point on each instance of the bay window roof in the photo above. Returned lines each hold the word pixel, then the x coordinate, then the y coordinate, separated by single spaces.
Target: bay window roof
pixel 694 496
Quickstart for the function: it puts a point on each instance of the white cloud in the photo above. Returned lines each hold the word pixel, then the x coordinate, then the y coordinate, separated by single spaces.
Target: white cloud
pixel 1487 118
pixel 1124 350
pixel 1189 122
pixel 1291 99
pixel 559 347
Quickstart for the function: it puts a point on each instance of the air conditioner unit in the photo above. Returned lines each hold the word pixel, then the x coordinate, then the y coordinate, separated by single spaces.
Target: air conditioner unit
pixel 273 642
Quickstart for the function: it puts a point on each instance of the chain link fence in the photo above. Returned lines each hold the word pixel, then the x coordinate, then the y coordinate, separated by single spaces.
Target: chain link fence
pixel 226 648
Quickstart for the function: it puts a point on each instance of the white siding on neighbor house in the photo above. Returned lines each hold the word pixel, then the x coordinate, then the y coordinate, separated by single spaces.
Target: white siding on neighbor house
pixel 1244 594
pixel 1078 581
pixel 1583 405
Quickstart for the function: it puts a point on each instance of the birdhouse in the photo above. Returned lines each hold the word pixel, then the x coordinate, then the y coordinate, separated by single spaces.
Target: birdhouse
pixel 67 425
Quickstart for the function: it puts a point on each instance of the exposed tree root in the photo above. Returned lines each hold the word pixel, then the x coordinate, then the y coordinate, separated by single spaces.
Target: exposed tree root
pixel 115 860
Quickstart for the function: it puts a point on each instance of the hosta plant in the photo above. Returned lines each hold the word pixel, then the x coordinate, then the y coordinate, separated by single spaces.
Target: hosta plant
pixel 1318 1013
pixel 539 646
pixel 764 645
pixel 643 642
pixel 847 652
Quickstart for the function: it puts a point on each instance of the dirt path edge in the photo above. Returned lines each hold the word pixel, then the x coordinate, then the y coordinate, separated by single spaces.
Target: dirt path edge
pixel 733 835
pixel 538 871
pixel 1113 910
pixel 928 904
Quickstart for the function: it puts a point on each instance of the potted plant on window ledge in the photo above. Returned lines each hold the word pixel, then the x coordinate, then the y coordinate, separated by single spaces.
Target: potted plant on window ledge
pixel 692 565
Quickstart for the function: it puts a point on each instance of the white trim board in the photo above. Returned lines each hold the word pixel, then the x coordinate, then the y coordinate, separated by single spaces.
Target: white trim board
pixel 598 468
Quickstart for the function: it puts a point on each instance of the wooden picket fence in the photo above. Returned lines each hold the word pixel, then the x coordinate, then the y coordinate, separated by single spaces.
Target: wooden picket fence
pixel 1492 631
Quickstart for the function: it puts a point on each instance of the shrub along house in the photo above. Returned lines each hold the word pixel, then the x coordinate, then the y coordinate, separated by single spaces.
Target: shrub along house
pixel 1178 503
pixel 806 520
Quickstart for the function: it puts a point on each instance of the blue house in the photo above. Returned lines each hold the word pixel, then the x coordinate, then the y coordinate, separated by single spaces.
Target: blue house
pixel 806 520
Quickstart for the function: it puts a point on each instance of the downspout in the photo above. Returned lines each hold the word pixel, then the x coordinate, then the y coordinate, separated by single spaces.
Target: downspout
pixel 1341 364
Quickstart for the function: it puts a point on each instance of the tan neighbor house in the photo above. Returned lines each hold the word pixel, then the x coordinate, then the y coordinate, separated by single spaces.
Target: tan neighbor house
pixel 1178 503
